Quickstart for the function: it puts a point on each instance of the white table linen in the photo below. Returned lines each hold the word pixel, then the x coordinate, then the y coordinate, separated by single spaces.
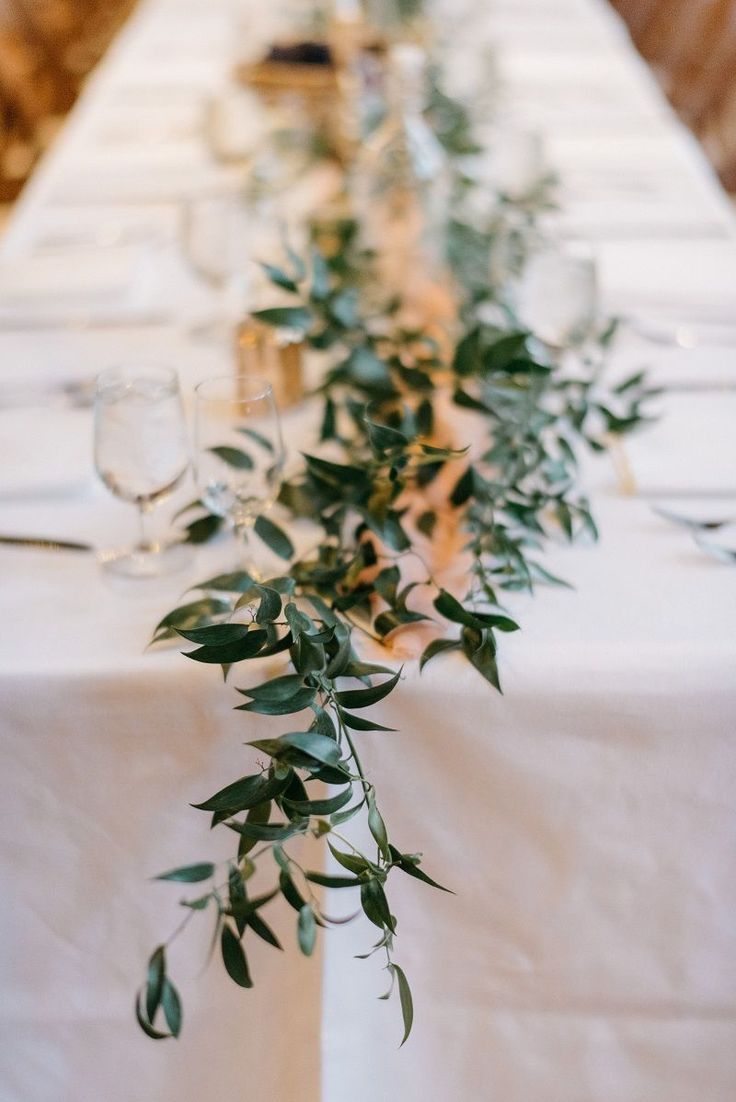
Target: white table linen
pixel 585 818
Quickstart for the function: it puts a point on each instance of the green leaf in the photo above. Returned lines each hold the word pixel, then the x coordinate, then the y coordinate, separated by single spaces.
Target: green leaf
pixel 155 981
pixel 218 635
pixel 280 278
pixel 449 607
pixel 236 582
pixel 200 904
pixel 319 807
pixel 289 891
pixel 247 647
pixel 296 703
pixel 268 832
pixel 257 815
pixel 203 529
pixel 333 881
pixel 307 930
pixel 388 529
pixel 274 537
pixel 270 606
pixel 234 958
pixel 317 746
pixel 261 928
pixel 411 868
pixel 352 862
pixel 189 874
pixel 564 516
pixel 437 646
pixel 395 618
pixel 145 1025
pixel 286 317
pixel 377 827
pixel 298 621
pixel 335 474
pixel 276 689
pixel 407 1005
pixel 258 437
pixel 426 523
pixel 463 488
pixel 383 438
pixel 357 723
pixel 191 615
pixel 320 288
pixel 363 698
pixel 171 1005
pixel 234 457
pixel 479 648
pixel 375 905
pixel 367 369
pixel 245 793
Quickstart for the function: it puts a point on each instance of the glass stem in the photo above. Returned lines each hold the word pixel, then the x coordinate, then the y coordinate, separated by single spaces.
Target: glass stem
pixel 144 511
pixel 243 533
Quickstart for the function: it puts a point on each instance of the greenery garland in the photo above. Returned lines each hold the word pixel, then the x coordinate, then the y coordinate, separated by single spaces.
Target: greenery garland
pixel 382 401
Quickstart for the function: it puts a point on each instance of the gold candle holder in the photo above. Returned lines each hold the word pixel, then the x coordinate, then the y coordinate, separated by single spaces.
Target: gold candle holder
pixel 276 353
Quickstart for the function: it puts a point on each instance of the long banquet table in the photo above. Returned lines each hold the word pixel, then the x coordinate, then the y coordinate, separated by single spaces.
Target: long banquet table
pixel 585 819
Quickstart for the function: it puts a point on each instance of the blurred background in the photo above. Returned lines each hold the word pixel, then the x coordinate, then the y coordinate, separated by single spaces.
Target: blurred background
pixel 48 47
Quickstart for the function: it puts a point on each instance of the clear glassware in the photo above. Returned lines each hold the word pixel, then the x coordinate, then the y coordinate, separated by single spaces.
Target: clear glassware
pixel 239 451
pixel 557 295
pixel 141 453
pixel 235 126
pixel 401 183
pixel 216 240
pixel 515 163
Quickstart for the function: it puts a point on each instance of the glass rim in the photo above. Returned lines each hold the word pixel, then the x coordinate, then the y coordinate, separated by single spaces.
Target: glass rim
pixel 245 387
pixel 128 372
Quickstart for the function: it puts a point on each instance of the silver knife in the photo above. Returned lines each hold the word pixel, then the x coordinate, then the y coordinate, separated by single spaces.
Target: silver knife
pixel 45 544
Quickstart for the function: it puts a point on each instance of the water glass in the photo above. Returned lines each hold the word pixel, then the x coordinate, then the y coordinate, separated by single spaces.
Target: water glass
pixel 141 454
pixel 239 450
pixel 557 295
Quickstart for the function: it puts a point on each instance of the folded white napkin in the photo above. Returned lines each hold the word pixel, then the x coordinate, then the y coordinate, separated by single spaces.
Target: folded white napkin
pixel 70 285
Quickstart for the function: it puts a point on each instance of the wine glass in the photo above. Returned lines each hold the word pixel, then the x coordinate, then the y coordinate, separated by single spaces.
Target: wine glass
pixel 141 454
pixel 216 238
pixel 557 295
pixel 515 162
pixel 239 450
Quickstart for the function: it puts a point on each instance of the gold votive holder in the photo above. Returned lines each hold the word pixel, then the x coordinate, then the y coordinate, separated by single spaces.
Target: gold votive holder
pixel 276 353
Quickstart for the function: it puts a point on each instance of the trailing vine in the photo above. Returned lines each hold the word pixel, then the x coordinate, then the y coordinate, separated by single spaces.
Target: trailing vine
pixel 387 400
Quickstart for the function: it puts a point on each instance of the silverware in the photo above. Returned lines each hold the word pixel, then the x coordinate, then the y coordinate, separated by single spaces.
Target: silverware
pixel 45 544
pixel 716 550
pixel 77 393
pixel 673 334
pixel 691 523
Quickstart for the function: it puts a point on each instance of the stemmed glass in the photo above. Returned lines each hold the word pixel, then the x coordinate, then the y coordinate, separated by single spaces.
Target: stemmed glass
pixel 216 238
pixel 557 295
pixel 141 454
pixel 239 451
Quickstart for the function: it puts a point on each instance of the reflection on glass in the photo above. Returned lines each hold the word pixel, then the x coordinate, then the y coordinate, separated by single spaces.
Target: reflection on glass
pixel 141 454
pixel 239 449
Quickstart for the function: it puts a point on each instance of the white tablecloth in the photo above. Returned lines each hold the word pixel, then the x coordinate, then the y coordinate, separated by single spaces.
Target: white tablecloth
pixel 585 819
